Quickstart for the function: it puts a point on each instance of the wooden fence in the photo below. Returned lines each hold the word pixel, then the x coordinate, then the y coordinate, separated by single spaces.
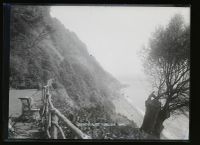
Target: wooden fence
pixel 51 115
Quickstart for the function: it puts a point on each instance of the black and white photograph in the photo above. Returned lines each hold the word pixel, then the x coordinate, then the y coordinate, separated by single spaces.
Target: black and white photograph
pixel 99 72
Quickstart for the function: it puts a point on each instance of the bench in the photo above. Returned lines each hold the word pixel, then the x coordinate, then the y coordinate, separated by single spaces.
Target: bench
pixel 28 110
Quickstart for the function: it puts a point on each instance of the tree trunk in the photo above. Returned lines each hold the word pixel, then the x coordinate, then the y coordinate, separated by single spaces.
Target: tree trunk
pixel 54 131
pixel 162 116
pixel 151 114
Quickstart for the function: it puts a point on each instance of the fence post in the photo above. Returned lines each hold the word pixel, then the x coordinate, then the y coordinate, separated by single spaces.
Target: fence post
pixel 47 113
pixel 54 130
pixel 55 115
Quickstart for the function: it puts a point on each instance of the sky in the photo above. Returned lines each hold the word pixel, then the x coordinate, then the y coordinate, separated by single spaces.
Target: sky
pixel 114 35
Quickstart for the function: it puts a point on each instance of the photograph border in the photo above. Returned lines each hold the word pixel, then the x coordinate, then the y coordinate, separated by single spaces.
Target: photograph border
pixel 6 52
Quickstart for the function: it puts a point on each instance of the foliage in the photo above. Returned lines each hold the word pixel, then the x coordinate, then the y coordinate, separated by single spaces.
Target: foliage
pixel 95 114
pixel 168 63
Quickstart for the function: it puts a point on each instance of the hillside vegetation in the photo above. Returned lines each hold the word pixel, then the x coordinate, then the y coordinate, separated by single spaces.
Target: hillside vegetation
pixel 42 48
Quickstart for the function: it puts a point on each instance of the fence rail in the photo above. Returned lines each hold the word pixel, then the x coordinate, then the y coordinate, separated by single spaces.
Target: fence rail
pixel 51 115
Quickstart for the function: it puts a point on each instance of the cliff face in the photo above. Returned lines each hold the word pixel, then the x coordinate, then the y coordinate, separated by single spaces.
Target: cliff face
pixel 42 48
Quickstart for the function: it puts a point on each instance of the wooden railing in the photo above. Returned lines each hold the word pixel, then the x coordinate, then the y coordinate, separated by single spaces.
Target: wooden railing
pixel 51 115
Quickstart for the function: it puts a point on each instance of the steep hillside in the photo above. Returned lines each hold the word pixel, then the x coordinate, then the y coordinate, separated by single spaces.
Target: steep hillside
pixel 125 108
pixel 42 48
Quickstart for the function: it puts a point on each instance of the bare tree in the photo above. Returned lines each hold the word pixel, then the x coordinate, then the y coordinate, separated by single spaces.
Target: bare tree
pixel 167 62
